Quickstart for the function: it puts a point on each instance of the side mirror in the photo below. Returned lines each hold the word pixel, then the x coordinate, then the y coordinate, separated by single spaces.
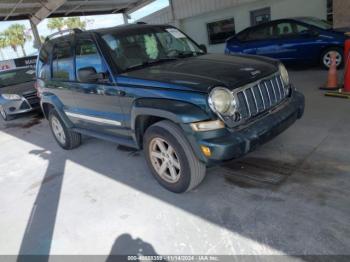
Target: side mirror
pixel 89 74
pixel 203 48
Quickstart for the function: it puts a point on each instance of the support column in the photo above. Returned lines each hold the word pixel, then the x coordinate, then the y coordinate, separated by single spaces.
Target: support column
pixel 175 21
pixel 37 40
pixel 125 18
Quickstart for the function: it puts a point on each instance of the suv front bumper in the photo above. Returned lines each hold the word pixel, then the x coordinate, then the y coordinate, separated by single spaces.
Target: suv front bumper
pixel 228 144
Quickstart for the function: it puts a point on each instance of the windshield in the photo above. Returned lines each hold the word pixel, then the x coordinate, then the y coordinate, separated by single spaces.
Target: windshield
pixel 146 47
pixel 17 76
pixel 317 22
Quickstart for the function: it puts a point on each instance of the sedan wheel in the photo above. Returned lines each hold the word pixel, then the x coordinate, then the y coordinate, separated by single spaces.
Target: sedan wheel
pixel 165 160
pixel 327 58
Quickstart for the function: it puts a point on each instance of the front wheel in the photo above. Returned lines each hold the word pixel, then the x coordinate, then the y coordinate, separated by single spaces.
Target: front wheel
pixel 326 57
pixel 3 114
pixel 171 158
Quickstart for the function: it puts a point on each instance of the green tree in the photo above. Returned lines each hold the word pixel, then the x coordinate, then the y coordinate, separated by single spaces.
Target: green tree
pixel 3 44
pixel 16 36
pixel 56 24
pixel 75 22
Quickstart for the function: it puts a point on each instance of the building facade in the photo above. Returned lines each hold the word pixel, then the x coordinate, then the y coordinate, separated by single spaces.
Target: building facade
pixel 209 22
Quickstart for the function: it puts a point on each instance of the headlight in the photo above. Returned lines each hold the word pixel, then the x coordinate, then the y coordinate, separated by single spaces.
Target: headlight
pixel 284 74
pixel 222 101
pixel 11 96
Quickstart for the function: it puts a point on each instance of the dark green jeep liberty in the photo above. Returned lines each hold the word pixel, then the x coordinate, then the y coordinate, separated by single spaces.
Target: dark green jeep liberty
pixel 151 87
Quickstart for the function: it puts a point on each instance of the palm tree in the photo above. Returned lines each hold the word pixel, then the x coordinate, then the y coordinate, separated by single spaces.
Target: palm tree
pixel 16 36
pixel 75 22
pixel 56 24
pixel 3 44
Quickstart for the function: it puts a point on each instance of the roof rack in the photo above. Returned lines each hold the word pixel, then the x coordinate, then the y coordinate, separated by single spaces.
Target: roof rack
pixel 64 32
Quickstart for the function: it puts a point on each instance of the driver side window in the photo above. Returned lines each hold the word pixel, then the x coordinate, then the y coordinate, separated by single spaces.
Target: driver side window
pixel 87 55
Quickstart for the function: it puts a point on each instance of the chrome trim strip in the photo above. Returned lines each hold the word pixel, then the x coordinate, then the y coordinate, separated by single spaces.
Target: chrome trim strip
pixel 255 101
pixel 247 102
pixel 93 119
pixel 268 94
pixel 284 90
pixel 263 99
pixel 274 91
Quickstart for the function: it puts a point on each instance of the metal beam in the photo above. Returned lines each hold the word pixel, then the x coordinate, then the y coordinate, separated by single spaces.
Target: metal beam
pixel 46 10
pixel 13 9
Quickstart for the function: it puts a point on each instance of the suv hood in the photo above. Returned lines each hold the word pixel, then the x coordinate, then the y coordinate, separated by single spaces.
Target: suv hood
pixel 203 72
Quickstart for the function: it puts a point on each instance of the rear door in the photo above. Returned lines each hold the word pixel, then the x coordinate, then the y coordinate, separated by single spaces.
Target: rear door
pixel 62 73
pixel 259 41
pixel 97 102
pixel 295 41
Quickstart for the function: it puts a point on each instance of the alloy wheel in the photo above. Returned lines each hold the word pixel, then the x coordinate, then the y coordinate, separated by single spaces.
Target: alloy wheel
pixel 164 160
pixel 327 58
pixel 58 130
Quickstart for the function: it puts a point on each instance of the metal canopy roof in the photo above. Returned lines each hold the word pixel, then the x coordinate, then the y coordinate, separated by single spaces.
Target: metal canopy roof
pixel 37 10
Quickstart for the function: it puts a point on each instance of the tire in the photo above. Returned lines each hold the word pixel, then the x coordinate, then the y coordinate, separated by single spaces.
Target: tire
pixel 71 139
pixel 325 57
pixel 191 171
pixel 4 115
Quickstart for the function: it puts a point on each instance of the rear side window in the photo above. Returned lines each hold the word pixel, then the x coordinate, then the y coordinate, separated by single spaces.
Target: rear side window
pixel 62 62
pixel 260 33
pixel 87 55
pixel 284 29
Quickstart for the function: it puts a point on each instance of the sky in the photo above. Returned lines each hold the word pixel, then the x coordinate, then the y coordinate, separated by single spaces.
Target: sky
pixel 93 22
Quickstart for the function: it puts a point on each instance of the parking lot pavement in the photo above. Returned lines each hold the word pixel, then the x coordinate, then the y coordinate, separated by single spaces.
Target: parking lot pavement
pixel 101 199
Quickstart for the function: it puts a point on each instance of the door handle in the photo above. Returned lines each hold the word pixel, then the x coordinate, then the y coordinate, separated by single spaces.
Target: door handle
pixel 114 92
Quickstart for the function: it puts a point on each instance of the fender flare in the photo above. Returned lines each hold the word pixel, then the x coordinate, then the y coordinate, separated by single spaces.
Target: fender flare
pixel 177 111
pixel 53 100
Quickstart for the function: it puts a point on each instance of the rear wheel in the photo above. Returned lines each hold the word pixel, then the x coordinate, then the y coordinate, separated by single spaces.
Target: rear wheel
pixel 65 137
pixel 171 158
pixel 326 57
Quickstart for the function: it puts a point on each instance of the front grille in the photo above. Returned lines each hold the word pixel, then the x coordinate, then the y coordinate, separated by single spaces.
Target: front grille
pixel 257 98
pixel 32 98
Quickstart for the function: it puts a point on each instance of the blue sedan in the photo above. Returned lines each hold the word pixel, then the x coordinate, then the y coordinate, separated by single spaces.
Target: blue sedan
pixel 298 40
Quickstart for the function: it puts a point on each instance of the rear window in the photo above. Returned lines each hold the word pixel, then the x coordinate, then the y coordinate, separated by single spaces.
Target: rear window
pixel 62 62
pixel 15 77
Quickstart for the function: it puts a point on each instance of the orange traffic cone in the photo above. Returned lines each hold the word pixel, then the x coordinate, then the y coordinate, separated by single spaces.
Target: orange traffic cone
pixel 332 82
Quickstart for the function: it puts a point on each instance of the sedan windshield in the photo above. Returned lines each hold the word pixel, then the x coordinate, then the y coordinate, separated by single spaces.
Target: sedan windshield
pixel 16 76
pixel 142 48
pixel 317 22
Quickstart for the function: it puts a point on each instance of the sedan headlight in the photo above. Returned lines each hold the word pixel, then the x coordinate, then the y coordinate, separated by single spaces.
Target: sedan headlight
pixel 222 101
pixel 284 74
pixel 11 96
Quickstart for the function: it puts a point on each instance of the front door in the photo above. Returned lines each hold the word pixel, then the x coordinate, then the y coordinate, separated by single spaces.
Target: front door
pixel 97 102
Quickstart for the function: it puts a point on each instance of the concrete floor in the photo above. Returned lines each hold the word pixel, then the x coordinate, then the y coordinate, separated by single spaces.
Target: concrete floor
pixel 99 199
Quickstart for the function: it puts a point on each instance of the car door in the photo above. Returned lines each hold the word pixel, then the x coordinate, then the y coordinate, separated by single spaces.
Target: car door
pixel 97 100
pixel 62 73
pixel 259 41
pixel 295 41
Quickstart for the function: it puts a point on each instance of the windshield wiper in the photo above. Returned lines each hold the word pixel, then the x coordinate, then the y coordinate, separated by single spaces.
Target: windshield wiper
pixel 188 54
pixel 149 63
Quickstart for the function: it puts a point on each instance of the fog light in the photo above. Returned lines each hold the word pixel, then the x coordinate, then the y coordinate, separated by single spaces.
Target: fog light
pixel 206 151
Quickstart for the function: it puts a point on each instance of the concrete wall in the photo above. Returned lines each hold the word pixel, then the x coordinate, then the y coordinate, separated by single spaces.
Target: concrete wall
pixel 196 26
pixel 341 11
pixel 193 15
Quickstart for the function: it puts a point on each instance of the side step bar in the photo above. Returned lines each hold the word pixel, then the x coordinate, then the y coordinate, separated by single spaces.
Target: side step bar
pixel 128 142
